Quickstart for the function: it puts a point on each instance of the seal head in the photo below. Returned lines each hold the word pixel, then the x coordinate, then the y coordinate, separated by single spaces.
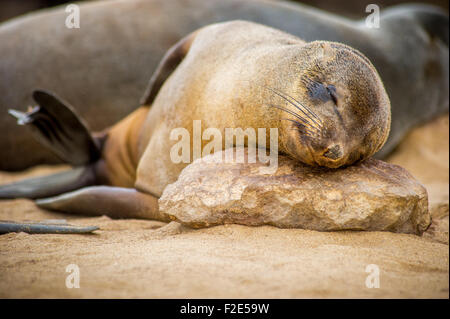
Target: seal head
pixel 343 115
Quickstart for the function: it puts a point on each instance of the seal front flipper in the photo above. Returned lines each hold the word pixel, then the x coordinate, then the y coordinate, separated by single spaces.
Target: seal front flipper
pixel 168 64
pixel 55 125
pixel 50 185
pixel 116 202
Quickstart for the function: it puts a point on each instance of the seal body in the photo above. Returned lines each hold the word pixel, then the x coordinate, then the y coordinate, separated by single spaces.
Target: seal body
pixel 120 43
pixel 326 99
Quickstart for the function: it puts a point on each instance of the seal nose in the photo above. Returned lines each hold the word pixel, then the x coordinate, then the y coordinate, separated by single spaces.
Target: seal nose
pixel 333 152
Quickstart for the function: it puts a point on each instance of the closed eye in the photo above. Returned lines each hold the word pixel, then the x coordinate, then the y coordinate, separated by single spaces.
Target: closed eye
pixel 322 92
pixel 331 89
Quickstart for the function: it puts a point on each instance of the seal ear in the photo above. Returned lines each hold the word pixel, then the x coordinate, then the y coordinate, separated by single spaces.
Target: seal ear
pixel 173 57
pixel 55 125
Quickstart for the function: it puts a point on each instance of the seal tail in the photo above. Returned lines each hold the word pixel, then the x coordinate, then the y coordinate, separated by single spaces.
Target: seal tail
pixel 55 125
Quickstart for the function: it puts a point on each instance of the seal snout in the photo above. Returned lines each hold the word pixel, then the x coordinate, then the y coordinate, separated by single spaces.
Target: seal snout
pixel 333 152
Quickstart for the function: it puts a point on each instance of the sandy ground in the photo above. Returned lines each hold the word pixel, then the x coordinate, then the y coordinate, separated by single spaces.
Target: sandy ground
pixel 148 259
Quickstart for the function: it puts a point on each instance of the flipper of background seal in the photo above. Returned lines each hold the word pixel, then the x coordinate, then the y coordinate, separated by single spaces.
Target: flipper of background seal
pixel 58 128
pixel 50 185
pixel 55 125
pixel 409 50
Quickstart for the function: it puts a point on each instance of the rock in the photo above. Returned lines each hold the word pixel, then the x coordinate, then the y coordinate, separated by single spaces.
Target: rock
pixel 372 195
pixel 438 230
pixel 424 152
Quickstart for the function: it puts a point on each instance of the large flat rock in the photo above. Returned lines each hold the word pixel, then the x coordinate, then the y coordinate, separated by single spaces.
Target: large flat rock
pixel 372 195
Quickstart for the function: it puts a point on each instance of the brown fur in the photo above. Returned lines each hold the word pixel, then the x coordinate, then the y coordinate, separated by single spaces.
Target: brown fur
pixel 226 80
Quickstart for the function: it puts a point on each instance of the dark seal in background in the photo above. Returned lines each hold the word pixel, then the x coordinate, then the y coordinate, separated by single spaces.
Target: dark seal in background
pixel 349 8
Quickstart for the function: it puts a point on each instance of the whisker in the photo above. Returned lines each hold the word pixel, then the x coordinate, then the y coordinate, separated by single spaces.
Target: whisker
pixel 296 115
pixel 298 106
pixel 299 125
pixel 284 96
pixel 302 132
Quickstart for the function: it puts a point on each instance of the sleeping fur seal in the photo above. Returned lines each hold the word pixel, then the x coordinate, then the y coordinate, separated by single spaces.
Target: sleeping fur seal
pixel 325 98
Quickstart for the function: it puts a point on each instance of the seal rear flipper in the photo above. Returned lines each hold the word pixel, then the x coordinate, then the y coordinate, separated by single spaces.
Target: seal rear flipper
pixel 55 124
pixel 116 202
pixel 50 185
